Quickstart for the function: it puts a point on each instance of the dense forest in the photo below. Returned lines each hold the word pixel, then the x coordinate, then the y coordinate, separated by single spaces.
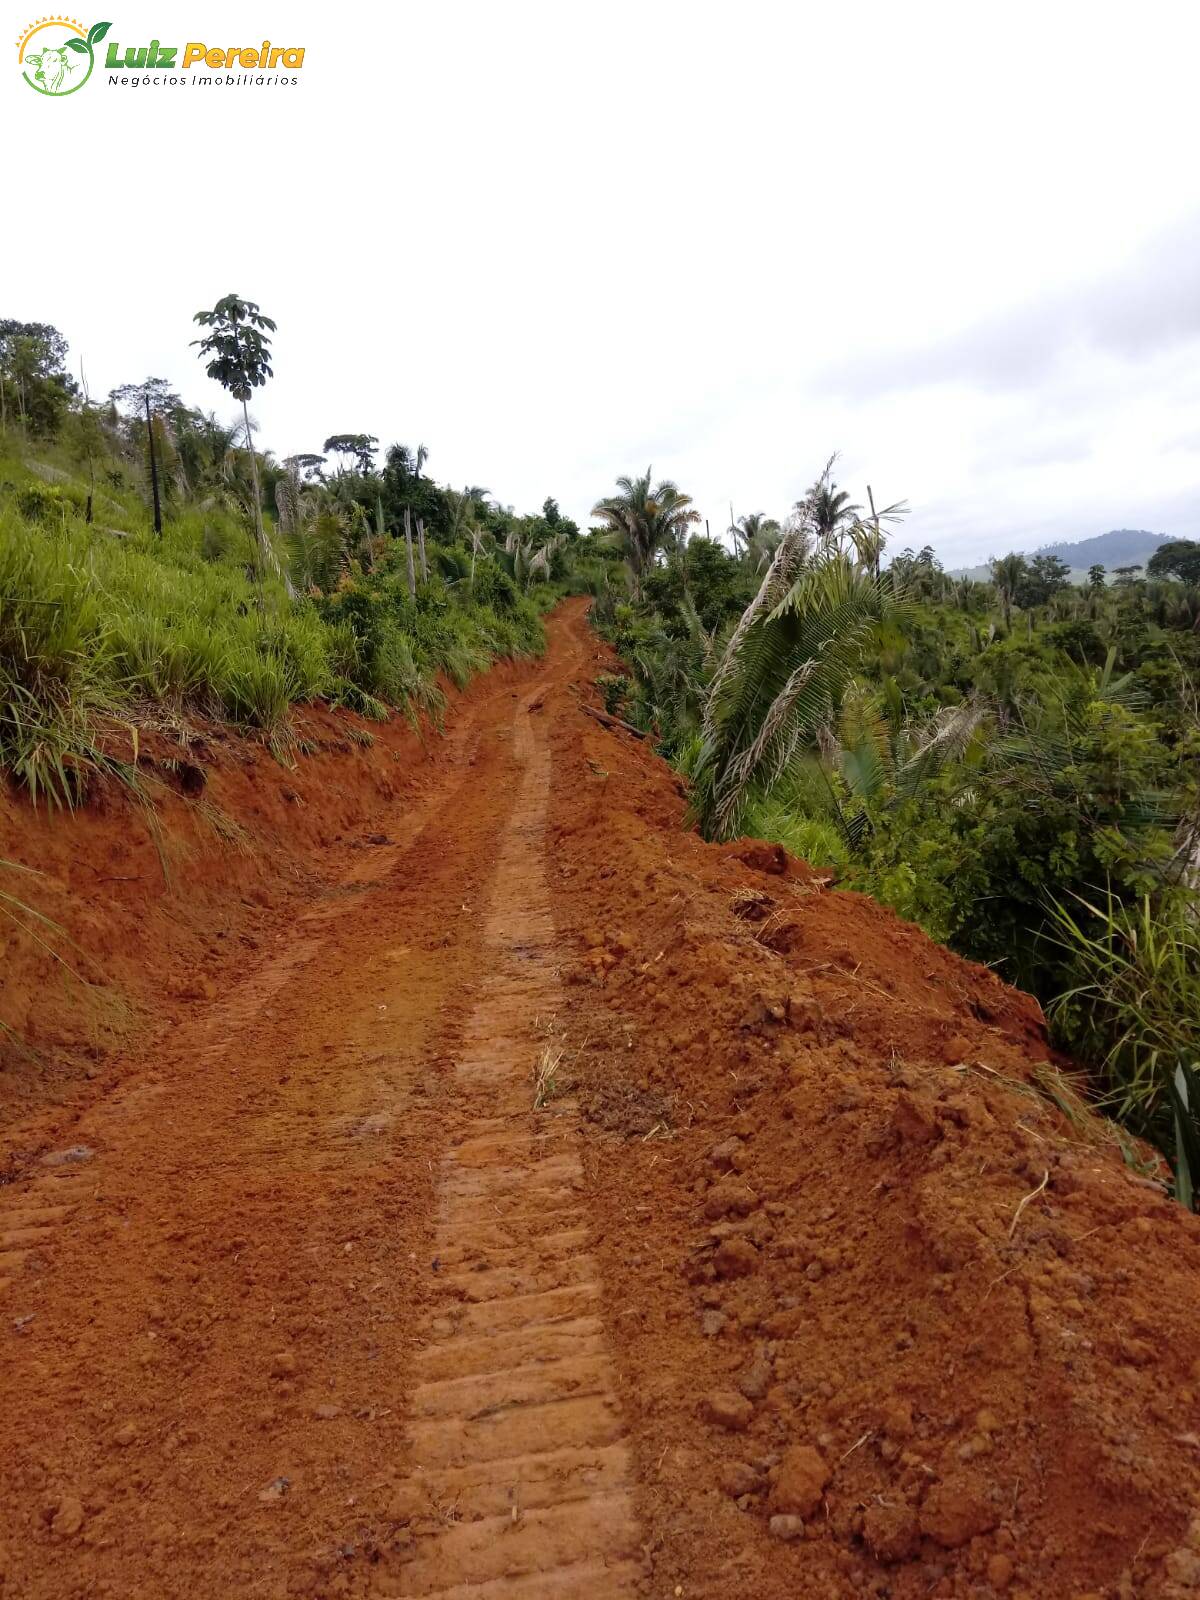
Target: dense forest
pixel 1010 763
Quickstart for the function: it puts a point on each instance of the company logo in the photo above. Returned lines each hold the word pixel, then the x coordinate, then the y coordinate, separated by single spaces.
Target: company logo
pixel 56 54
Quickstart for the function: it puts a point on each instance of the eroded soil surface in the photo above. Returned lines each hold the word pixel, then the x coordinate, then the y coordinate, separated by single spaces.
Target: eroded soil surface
pixel 511 1195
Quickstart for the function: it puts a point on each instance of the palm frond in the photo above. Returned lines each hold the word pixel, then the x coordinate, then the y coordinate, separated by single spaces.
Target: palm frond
pixel 783 673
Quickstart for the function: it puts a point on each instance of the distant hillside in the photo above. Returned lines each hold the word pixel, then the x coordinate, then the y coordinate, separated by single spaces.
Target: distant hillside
pixel 1122 547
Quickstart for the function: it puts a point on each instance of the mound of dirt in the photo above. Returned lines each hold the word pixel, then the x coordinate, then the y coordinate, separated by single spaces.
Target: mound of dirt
pixel 899 1318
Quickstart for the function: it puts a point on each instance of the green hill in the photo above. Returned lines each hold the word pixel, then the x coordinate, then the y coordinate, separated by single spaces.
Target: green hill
pixel 1120 547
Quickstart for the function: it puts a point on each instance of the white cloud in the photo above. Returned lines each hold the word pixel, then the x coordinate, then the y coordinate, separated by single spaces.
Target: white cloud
pixel 556 243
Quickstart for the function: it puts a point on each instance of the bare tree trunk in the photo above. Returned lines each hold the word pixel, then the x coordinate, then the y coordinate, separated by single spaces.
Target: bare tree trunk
pixel 421 542
pixel 266 553
pixel 154 471
pixel 379 524
pixel 408 540
pixel 878 552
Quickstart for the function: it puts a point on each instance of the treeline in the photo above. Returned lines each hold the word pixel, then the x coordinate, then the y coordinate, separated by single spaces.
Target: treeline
pixel 144 428
pixel 1013 764
pixel 150 550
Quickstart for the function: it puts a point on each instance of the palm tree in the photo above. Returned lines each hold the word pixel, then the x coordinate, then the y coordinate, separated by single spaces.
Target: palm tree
pixel 786 666
pixel 875 760
pixel 644 519
pixel 745 528
pixel 828 508
pixel 465 527
pixel 866 534
pixel 203 445
pixel 750 529
pixel 783 672
pixel 761 535
pixel 1007 573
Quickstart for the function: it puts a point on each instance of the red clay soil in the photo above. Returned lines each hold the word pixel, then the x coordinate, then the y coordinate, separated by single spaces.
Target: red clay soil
pixel 543 1202
pixel 162 906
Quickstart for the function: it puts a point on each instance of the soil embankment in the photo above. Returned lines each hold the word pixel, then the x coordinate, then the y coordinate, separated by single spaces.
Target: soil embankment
pixel 798 1282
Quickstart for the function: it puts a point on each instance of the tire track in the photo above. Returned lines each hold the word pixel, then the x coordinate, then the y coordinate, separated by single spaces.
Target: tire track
pixel 521 1481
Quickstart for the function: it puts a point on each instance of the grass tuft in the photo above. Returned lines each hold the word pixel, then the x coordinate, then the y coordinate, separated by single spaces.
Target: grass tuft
pixel 1137 1006
pixel 545 1076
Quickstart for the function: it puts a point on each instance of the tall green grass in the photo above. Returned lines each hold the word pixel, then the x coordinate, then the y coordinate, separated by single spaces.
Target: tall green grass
pixel 811 838
pixel 1135 1009
pixel 90 623
pixel 96 621
pixel 55 679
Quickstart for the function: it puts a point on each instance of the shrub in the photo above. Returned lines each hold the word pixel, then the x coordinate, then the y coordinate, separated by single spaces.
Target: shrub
pixel 493 587
pixel 1134 1010
pixel 46 503
pixel 613 687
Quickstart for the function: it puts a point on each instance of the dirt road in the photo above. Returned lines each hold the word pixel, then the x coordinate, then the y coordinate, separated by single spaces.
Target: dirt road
pixel 320 1270
pixel 565 1208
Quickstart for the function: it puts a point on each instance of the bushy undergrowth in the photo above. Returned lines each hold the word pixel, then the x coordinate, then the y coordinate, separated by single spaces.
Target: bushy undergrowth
pixel 95 619
pixel 392 646
pixel 1026 789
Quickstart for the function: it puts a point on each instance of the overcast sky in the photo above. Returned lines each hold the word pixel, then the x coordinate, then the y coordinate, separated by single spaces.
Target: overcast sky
pixel 559 242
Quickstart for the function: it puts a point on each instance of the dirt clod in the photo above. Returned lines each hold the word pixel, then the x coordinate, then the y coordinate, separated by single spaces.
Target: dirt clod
pixel 891 1532
pixel 729 1198
pixel 755 1378
pixel 786 1527
pixel 913 1120
pixel 800 1486
pixel 956 1510
pixel 1000 1570
pixel 68 1519
pixel 728 1155
pixel 729 1410
pixel 73 1156
pixel 735 1258
pixel 738 1478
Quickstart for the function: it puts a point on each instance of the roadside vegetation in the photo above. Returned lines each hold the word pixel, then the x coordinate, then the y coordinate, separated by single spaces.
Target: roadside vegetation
pixel 151 553
pixel 1013 764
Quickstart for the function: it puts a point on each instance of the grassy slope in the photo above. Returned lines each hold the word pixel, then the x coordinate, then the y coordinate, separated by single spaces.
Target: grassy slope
pixel 94 619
